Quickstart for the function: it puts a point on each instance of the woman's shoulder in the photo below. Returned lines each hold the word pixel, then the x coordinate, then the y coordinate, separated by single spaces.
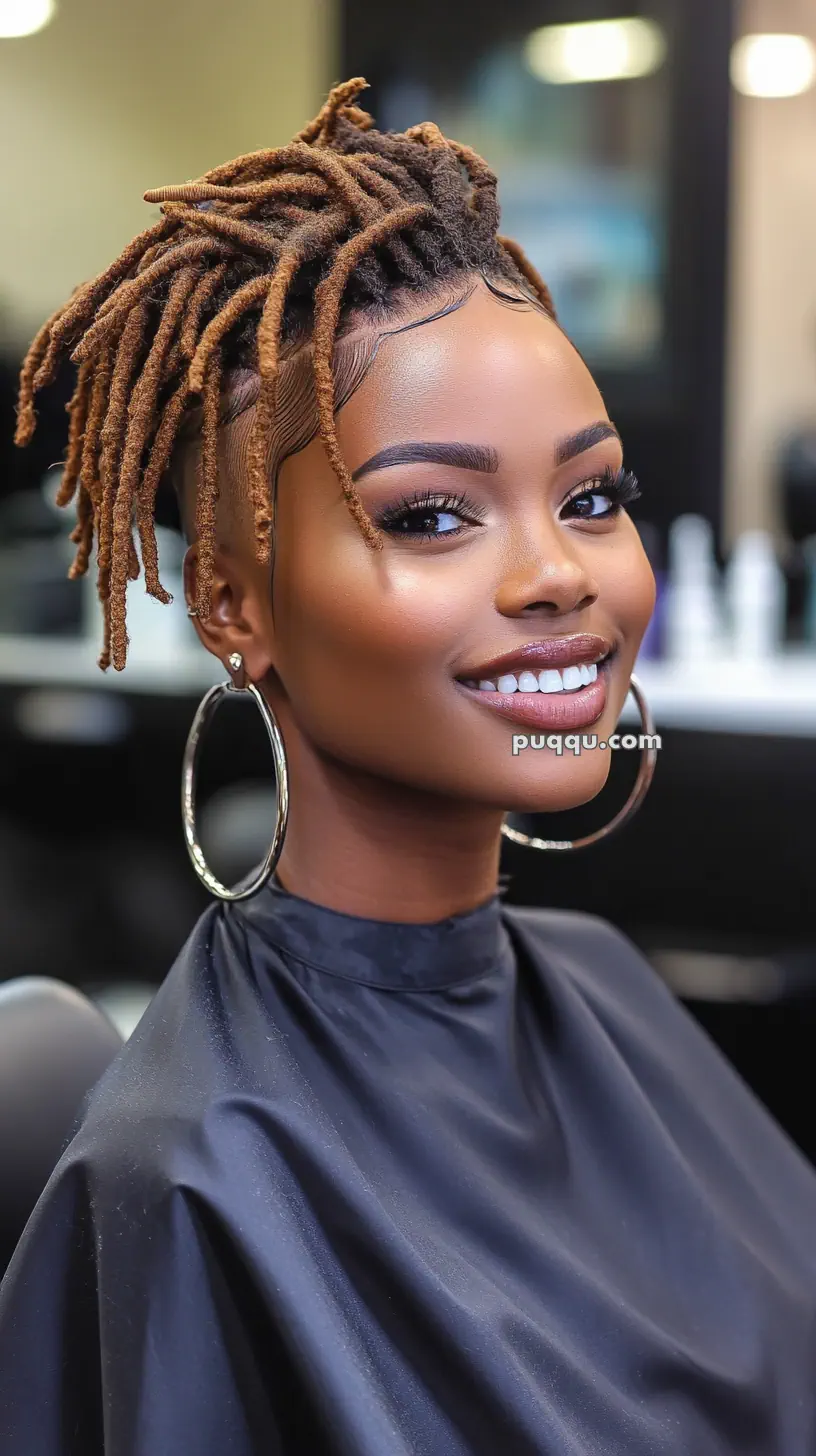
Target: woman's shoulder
pixel 591 950
pixel 185 1056
pixel 588 962
pixel 214 1046
pixel 611 1002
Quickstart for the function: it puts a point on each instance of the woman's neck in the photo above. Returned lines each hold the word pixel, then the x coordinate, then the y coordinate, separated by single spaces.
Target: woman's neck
pixel 369 848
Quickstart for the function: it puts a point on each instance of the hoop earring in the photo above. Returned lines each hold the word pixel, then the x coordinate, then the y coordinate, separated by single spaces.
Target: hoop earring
pixel 206 708
pixel 648 760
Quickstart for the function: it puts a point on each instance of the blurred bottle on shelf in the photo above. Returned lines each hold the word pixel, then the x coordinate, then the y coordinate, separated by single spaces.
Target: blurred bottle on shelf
pixel 693 617
pixel 756 595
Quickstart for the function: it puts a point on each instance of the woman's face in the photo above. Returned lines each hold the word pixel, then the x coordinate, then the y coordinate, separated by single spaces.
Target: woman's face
pixel 503 555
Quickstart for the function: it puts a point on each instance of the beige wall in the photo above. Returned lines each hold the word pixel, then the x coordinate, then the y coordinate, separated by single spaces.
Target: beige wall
pixel 117 96
pixel 772 306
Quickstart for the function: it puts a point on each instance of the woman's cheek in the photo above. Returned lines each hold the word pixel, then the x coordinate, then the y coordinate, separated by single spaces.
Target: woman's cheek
pixel 628 595
pixel 377 615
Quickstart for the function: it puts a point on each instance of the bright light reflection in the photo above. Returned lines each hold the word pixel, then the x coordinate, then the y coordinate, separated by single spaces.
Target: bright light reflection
pixel 595 50
pixel 24 17
pixel 773 65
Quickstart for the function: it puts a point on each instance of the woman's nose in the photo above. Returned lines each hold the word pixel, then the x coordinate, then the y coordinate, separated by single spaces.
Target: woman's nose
pixel 551 580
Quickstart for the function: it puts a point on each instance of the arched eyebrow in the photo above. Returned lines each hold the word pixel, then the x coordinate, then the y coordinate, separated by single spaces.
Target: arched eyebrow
pixel 442 452
pixel 483 458
pixel 582 440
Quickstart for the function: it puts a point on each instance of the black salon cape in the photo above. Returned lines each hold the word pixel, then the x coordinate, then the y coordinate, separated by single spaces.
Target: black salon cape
pixel 480 1188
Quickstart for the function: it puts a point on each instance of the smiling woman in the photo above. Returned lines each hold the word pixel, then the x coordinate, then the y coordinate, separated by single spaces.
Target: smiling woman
pixel 494 533
pixel 388 1167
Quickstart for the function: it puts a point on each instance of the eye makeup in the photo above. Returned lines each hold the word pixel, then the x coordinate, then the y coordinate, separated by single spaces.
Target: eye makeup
pixel 413 516
pixel 618 488
pixel 430 515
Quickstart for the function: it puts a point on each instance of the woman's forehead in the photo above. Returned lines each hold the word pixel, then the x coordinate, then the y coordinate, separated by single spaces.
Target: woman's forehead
pixel 488 372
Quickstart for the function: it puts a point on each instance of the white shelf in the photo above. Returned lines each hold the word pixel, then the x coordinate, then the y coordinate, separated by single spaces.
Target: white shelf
pixel 777 697
pixel 57 662
pixel 729 697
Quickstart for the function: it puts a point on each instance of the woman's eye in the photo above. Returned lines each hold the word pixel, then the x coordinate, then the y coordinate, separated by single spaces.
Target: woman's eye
pixel 592 505
pixel 426 523
pixel 604 498
pixel 427 519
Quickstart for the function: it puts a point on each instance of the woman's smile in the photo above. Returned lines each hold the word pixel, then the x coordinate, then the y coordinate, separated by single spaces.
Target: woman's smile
pixel 558 682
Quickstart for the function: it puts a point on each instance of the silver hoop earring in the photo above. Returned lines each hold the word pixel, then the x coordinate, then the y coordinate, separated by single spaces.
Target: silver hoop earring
pixel 206 708
pixel 648 760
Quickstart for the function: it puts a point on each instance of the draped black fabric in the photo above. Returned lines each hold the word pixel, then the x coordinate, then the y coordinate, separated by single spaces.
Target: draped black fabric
pixel 361 1189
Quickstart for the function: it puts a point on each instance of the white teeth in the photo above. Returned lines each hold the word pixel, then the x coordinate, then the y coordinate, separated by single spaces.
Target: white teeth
pixel 549 681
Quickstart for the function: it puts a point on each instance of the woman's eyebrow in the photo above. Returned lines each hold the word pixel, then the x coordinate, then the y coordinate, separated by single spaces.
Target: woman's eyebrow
pixel 483 458
pixel 582 440
pixel 442 452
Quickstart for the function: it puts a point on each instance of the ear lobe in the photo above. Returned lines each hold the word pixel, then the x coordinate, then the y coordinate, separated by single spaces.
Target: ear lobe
pixel 239 619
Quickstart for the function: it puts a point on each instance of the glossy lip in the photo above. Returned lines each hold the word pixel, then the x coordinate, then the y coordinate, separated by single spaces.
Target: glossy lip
pixel 550 712
pixel 582 647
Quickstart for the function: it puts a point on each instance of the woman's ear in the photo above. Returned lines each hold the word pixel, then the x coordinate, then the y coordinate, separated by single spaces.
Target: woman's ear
pixel 240 616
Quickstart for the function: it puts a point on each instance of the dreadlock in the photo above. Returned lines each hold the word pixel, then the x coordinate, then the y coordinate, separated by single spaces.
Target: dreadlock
pixel 273 249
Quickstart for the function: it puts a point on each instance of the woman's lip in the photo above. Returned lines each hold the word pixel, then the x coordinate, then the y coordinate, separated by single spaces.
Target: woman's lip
pixel 553 712
pixel 582 647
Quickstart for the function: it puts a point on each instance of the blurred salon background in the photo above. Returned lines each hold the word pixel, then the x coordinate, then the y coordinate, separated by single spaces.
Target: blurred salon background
pixel 658 163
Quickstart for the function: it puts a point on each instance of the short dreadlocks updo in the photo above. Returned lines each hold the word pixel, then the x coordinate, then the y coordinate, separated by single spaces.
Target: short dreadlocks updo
pixel 271 251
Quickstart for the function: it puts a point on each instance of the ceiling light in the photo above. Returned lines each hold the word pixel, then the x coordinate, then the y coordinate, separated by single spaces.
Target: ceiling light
pixel 595 50
pixel 24 17
pixel 773 65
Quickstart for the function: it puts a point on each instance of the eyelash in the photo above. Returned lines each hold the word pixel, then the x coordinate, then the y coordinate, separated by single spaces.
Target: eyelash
pixel 434 504
pixel 620 487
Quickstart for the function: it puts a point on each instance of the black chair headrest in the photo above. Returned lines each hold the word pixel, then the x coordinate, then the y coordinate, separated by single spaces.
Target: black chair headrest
pixel 54 1046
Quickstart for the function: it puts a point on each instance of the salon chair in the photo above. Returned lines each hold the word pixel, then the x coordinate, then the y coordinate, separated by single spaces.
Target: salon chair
pixel 54 1046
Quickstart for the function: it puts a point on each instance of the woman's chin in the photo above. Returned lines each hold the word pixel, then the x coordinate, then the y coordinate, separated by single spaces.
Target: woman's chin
pixel 555 787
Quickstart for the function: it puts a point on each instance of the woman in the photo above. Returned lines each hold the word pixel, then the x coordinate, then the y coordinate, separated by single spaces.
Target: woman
pixel 389 1168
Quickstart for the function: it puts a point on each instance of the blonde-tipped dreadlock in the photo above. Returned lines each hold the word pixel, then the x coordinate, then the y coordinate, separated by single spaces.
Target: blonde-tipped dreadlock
pixel 273 247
